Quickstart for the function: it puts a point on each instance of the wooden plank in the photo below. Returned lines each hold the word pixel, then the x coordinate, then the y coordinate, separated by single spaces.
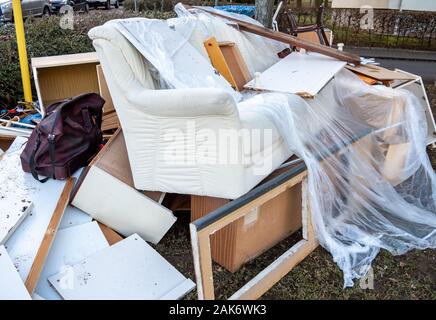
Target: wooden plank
pixel 104 90
pixel 263 281
pixel 49 236
pixel 285 38
pixel 218 61
pixel 236 64
pixel 111 236
pixel 130 269
pixel 63 60
pixel 380 73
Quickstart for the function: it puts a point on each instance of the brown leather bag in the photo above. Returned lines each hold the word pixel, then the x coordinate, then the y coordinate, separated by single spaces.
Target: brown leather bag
pixel 66 138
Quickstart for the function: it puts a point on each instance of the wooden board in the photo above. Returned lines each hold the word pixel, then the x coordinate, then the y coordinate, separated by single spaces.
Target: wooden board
pixel 11 285
pixel 285 38
pixel 12 213
pixel 64 76
pixel 58 83
pixel 70 246
pixel 379 73
pixel 47 241
pixel 121 207
pixel 236 64
pixel 25 241
pixel 64 60
pixel 111 236
pixel 298 73
pixel 130 269
pixel 226 58
pixel 104 90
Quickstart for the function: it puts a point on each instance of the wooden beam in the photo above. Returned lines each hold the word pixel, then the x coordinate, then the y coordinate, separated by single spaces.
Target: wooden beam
pixel 285 38
pixel 50 233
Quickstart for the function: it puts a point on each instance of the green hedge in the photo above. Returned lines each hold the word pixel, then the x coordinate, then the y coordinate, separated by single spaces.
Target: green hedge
pixel 45 37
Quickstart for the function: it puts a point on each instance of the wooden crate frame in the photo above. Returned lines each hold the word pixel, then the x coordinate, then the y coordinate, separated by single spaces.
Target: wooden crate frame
pixel 202 228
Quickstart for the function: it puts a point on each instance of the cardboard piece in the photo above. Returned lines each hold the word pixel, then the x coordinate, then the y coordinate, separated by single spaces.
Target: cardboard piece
pixel 11 285
pixel 130 269
pixel 70 246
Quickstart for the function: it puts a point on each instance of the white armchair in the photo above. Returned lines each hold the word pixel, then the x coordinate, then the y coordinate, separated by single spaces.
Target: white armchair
pixel 167 129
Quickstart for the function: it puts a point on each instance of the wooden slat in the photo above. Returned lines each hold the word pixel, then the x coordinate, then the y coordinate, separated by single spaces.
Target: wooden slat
pixel 286 38
pixel 50 233
pixel 236 64
pixel 111 236
pixel 218 61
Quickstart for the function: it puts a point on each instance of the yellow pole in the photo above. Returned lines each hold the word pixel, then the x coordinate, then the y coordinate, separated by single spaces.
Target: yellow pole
pixel 22 52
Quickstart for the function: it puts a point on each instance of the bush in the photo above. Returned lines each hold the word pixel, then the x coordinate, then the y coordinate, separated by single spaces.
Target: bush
pixel 45 37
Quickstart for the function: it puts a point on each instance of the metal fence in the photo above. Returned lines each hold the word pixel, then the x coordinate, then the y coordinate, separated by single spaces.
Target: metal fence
pixel 377 28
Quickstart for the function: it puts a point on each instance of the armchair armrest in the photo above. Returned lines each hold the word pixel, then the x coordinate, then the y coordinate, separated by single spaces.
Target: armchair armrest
pixel 191 102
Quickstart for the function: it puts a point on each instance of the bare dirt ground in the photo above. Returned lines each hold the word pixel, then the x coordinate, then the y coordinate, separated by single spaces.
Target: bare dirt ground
pixel 410 276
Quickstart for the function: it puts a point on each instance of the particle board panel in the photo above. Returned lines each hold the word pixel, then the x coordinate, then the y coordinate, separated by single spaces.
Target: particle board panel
pixel 298 73
pixel 236 64
pixel 73 217
pixel 130 269
pixel 11 285
pixel 380 73
pixel 13 210
pixel 70 246
pixel 64 60
pixel 119 206
pixel 25 241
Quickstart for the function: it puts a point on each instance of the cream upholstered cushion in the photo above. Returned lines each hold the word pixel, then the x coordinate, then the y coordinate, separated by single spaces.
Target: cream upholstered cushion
pixel 148 116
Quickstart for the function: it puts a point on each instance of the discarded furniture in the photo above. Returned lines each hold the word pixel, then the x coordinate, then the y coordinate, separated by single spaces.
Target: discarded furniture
pixel 145 122
pixel 203 229
pixel 285 38
pixel 64 76
pixel 313 33
pixel 105 191
pixel 258 230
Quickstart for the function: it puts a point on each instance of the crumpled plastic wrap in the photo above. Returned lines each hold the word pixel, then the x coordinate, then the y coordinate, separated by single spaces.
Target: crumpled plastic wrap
pixel 370 182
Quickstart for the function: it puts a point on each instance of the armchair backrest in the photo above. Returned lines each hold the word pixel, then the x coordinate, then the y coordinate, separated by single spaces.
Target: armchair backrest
pixel 131 69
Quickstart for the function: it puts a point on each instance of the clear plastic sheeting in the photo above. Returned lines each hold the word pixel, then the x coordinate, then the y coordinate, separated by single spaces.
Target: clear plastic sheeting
pixel 370 181
pixel 178 63
pixel 258 52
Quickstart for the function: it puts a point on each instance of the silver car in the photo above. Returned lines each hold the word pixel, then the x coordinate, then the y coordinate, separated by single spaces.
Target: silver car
pixel 30 8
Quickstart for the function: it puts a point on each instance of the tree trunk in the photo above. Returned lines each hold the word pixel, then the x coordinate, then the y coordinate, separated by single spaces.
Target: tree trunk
pixel 264 11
